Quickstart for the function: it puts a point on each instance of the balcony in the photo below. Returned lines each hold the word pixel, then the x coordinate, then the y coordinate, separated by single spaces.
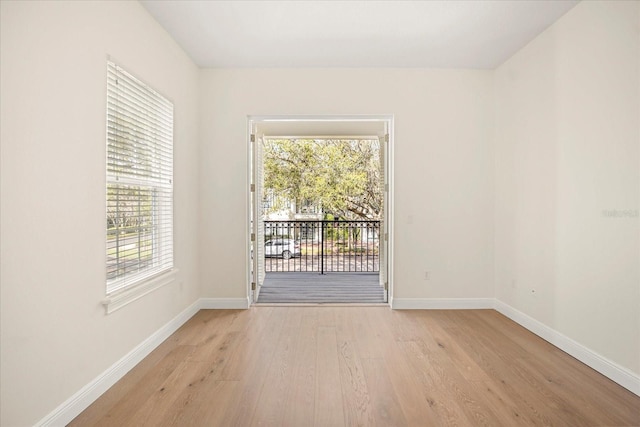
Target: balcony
pixel 322 246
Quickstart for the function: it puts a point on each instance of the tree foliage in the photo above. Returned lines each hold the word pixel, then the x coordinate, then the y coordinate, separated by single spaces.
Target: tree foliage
pixel 129 208
pixel 340 176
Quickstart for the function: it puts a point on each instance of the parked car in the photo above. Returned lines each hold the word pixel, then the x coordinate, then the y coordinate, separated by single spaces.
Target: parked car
pixel 285 248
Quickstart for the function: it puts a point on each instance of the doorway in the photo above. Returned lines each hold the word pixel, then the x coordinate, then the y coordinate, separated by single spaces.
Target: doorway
pixel 306 248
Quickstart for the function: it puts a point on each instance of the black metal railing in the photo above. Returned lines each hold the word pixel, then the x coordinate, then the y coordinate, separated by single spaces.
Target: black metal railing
pixel 322 246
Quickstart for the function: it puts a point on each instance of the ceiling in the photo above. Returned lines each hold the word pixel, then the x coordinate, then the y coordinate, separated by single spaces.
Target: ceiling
pixel 477 34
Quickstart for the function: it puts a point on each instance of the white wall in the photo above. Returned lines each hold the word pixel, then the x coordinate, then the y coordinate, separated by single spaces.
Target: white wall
pixel 443 167
pixel 567 149
pixel 55 337
pixel 565 128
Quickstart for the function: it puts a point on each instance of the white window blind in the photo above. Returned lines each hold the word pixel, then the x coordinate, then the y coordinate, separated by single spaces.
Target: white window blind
pixel 139 181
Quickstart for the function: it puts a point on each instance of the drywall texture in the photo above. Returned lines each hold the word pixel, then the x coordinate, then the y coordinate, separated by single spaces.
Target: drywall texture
pixel 55 335
pixel 443 167
pixel 536 204
pixel 567 179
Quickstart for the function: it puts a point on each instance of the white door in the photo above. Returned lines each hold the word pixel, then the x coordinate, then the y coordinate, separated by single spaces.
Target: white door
pixel 267 124
pixel 383 241
pixel 257 216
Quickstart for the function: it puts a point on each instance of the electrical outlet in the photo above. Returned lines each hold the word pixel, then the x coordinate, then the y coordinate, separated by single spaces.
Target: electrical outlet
pixel 427 275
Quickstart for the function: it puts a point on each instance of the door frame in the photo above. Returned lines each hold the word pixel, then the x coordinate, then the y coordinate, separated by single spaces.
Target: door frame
pixel 253 128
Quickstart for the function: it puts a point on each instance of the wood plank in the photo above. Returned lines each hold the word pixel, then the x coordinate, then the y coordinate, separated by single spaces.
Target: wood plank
pixel 205 382
pixel 118 404
pixel 326 317
pixel 558 379
pixel 511 332
pixel 301 397
pixel 510 409
pixel 417 407
pixel 447 391
pixel 195 331
pixel 156 366
pixel 335 366
pixel 356 401
pixel 258 324
pixel 208 407
pixel 538 401
pixel 367 330
pixel 328 396
pixel 155 409
pixel 273 399
pixel 446 348
pixel 534 400
pixel 256 354
pixel 385 404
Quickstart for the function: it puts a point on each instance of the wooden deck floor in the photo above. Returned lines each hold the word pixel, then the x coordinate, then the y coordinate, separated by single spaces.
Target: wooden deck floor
pixel 296 287
pixel 367 366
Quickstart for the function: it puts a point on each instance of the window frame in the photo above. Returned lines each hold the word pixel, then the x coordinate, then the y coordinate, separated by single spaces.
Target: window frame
pixel 139 154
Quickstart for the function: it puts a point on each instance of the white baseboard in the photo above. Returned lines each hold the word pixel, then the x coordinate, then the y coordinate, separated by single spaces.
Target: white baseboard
pixel 224 303
pixel 606 367
pixel 77 403
pixel 611 370
pixel 441 303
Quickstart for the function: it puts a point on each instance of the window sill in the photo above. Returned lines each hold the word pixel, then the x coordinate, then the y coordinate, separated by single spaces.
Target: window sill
pixel 120 298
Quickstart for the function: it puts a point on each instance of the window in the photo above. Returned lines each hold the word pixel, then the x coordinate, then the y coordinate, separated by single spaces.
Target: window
pixel 139 181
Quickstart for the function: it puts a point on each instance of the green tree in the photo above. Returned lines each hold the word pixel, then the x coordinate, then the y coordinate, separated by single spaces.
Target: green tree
pixel 341 176
pixel 129 209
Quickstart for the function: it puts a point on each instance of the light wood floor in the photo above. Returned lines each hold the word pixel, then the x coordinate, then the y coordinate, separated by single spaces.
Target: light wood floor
pixel 348 366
